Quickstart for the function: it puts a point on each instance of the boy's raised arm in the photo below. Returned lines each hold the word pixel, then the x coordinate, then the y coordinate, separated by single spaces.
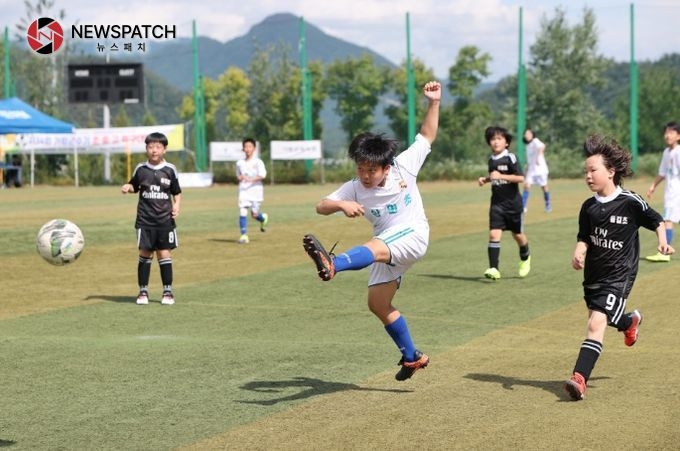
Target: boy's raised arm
pixel 430 125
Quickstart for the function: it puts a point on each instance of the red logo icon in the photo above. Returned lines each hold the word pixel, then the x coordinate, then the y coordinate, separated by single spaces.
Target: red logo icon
pixel 45 35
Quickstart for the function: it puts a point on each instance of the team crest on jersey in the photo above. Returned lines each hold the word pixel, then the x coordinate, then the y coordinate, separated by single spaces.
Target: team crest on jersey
pixel 375 212
pixel 618 219
pixel 165 181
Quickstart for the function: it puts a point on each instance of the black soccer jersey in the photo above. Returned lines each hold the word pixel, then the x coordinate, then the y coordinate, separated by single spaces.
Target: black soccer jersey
pixel 610 229
pixel 156 185
pixel 503 192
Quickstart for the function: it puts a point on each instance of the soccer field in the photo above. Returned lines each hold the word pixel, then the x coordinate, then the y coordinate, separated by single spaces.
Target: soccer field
pixel 259 354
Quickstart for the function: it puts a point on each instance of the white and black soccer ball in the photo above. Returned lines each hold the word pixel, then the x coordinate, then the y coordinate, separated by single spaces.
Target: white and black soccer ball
pixel 60 242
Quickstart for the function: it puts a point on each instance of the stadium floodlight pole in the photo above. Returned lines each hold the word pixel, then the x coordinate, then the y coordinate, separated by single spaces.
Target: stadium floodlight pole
pixel 306 89
pixel 410 85
pixel 7 73
pixel 521 98
pixel 633 93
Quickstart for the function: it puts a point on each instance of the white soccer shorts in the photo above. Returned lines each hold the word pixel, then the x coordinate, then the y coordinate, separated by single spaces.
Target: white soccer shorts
pixel 407 245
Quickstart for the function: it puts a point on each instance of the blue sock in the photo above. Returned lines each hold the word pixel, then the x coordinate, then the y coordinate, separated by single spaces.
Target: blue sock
pixel 356 258
pixel 525 198
pixel 546 197
pixel 243 222
pixel 669 236
pixel 398 330
pixel 260 217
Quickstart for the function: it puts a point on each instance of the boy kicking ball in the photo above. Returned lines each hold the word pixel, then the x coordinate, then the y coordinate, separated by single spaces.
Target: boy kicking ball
pixel 386 194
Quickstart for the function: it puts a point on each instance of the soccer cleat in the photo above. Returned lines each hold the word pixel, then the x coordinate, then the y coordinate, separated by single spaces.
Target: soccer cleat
pixel 168 298
pixel 322 259
pixel 265 221
pixel 548 209
pixel 525 267
pixel 408 368
pixel 576 387
pixel 630 335
pixel 244 239
pixel 142 298
pixel 658 257
pixel 492 273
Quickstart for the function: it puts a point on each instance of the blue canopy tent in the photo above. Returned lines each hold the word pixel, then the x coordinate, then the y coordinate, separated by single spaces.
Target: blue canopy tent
pixel 16 117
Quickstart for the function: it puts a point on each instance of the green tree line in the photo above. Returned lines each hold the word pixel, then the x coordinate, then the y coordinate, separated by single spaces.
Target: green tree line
pixel 572 91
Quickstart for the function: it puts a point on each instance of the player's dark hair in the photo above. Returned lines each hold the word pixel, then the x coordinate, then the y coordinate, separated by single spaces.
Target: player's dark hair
pixel 373 148
pixel 494 130
pixel 613 155
pixel 248 140
pixel 156 137
pixel 673 126
pixel 533 135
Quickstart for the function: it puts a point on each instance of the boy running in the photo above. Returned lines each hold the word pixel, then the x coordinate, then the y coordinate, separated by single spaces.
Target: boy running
pixel 505 211
pixel 608 250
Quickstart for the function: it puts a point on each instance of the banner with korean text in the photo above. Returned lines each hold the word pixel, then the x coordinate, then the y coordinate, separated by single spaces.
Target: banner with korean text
pixel 96 140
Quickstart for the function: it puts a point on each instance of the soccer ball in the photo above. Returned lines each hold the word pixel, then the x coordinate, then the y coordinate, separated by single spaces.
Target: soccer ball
pixel 59 242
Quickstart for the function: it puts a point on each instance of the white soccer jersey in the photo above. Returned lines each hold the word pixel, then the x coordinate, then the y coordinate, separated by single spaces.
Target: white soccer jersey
pixel 670 169
pixel 398 202
pixel 536 164
pixel 251 191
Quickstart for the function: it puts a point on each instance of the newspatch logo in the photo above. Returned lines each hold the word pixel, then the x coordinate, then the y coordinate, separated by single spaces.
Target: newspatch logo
pixel 45 35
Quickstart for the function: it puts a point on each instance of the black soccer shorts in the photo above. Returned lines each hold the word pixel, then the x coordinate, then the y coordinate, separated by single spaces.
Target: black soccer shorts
pixel 157 239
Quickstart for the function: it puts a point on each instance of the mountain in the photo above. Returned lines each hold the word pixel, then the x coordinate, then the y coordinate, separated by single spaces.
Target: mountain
pixel 172 60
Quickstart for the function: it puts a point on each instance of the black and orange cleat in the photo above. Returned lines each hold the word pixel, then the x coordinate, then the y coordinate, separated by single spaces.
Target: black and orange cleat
pixel 322 259
pixel 408 368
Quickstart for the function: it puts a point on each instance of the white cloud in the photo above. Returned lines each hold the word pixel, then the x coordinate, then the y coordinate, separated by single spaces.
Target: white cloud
pixel 438 29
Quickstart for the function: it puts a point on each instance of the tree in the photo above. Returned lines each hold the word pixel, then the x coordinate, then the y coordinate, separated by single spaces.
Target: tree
pixel 149 118
pixel 564 65
pixel 468 72
pixel 221 110
pixel 234 90
pixel 355 84
pixel 275 101
pixel 658 97
pixel 463 122
pixel 121 119
pixel 397 112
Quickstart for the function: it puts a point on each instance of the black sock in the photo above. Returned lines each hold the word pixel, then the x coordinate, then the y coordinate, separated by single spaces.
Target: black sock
pixel 494 251
pixel 166 272
pixel 143 272
pixel 524 252
pixel 587 356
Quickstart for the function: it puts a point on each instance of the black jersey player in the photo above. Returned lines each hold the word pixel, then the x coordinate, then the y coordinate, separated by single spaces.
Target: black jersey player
pixel 608 251
pixel 506 210
pixel 159 201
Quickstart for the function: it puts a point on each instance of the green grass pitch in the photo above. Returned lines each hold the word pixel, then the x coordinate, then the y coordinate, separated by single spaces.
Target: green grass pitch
pixel 259 354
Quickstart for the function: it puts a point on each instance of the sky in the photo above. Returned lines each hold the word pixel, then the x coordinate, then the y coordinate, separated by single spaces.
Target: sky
pixel 438 29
